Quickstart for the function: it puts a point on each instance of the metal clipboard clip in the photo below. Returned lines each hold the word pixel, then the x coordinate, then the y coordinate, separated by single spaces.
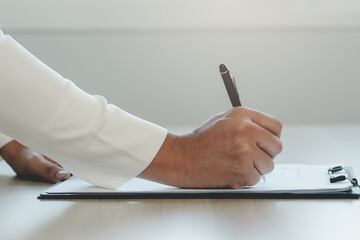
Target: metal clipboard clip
pixel 340 173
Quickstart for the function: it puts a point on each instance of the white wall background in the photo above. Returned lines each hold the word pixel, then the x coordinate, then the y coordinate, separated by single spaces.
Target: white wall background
pixel 158 59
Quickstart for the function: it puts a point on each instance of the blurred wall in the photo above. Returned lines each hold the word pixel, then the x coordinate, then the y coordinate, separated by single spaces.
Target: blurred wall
pixel 158 59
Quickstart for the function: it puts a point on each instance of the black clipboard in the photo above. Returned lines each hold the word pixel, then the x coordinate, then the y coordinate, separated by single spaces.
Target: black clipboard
pixel 353 193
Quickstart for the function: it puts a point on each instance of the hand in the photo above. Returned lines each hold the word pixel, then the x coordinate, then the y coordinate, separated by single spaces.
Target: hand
pixel 31 165
pixel 230 150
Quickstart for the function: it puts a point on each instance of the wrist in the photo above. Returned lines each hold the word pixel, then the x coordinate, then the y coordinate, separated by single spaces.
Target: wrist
pixel 9 151
pixel 169 165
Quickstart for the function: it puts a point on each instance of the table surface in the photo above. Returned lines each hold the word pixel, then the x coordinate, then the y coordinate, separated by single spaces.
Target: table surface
pixel 23 216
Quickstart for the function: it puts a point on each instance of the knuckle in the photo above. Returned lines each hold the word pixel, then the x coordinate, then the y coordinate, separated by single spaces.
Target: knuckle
pixel 247 126
pixel 241 151
pixel 237 110
pixel 245 148
pixel 243 128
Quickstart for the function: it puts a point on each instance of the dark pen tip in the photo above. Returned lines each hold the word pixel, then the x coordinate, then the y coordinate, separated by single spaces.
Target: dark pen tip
pixel 223 68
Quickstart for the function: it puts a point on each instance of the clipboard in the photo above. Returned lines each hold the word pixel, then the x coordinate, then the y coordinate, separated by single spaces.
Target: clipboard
pixel 287 181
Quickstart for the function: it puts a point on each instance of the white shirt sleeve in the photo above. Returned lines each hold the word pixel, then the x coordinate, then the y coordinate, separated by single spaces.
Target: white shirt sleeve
pixel 3 141
pixel 94 140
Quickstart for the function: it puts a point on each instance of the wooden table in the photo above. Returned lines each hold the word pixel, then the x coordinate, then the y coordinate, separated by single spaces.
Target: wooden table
pixel 23 216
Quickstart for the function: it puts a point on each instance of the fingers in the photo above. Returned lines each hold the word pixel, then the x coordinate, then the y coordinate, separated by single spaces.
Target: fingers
pixel 38 166
pixel 256 163
pixel 50 160
pixel 261 133
pixel 261 128
pixel 263 163
pixel 252 178
pixel 264 120
pixel 267 142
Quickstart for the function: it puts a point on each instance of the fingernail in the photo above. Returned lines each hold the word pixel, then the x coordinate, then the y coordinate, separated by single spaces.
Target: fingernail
pixel 62 175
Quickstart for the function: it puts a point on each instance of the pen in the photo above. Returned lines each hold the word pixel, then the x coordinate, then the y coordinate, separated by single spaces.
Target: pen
pixel 230 85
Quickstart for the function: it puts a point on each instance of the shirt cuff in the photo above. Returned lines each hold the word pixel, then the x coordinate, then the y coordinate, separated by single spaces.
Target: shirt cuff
pixel 97 141
pixel 3 141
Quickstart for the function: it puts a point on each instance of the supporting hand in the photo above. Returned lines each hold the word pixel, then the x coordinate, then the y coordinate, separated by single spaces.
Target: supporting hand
pixel 31 165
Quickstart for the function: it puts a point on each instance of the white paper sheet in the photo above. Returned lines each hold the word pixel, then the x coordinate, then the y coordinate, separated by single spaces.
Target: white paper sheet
pixel 285 178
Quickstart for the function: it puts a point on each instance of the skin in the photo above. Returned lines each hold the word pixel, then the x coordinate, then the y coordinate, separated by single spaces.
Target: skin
pixel 31 165
pixel 229 150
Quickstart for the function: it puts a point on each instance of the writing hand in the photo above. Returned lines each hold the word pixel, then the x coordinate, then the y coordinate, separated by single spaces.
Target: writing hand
pixel 231 150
